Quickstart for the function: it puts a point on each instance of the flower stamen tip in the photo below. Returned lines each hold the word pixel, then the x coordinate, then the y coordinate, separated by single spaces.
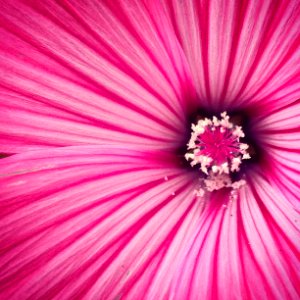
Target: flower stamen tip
pixel 215 146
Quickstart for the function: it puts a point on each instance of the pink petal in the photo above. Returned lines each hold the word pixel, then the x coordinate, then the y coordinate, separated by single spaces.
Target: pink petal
pixel 281 129
pixel 243 249
pixel 211 266
pixel 106 222
pixel 279 135
pixel 92 222
pixel 271 226
pixel 284 173
pixel 241 52
pixel 106 74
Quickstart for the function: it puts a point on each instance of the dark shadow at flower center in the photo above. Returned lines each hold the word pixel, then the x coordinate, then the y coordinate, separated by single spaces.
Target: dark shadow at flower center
pixel 237 117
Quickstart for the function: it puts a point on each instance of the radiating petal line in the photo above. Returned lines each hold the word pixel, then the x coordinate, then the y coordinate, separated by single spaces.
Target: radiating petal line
pixel 275 262
pixel 101 212
pixel 232 43
pixel 106 75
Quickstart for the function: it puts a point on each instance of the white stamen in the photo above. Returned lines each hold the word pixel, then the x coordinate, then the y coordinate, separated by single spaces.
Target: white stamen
pixel 246 156
pixel 235 164
pixel 224 168
pixel 217 172
pixel 238 184
pixel 244 146
pixel 189 156
pixel 204 161
pixel 215 169
pixel 215 121
pixel 238 132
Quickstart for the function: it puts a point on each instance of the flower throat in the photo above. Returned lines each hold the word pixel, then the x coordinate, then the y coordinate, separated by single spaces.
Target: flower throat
pixel 216 148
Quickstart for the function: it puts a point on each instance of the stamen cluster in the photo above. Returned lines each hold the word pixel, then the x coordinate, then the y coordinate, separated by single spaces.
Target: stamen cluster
pixel 215 146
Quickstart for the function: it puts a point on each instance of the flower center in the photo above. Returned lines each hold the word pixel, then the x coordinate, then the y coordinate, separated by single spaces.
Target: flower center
pixel 215 146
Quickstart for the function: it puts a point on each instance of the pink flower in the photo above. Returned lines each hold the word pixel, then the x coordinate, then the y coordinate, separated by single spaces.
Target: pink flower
pixel 97 102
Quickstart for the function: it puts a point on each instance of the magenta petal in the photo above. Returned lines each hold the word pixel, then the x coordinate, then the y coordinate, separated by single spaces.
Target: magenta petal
pixel 241 52
pixel 103 75
pixel 95 99
pixel 243 249
pixel 282 169
pixel 279 135
pixel 281 129
pixel 271 227
pixel 211 265
pixel 89 222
